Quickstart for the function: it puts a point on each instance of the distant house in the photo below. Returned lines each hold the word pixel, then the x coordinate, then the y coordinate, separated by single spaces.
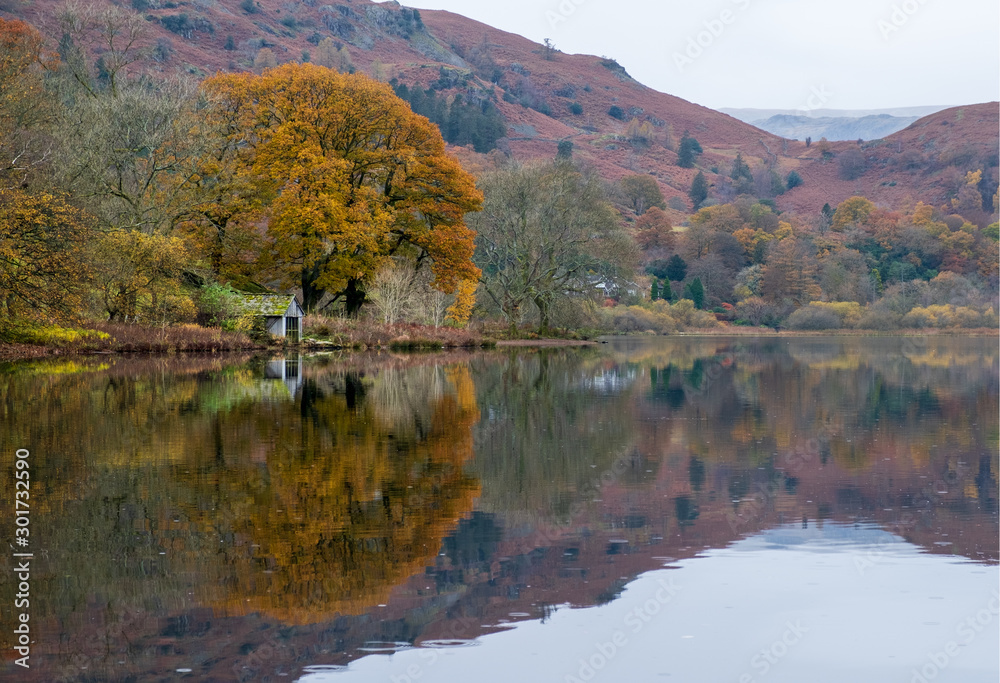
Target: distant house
pixel 281 312
pixel 611 288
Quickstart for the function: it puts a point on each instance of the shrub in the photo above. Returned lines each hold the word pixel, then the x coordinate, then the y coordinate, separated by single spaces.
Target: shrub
pixel 920 317
pixel 851 164
pixel 633 319
pixel 616 112
pixel 880 320
pixel 685 314
pixel 813 318
pixel 677 204
pixel 947 315
pixel 218 306
pixel 171 309
pixel 848 312
pixel 756 311
pixel 576 109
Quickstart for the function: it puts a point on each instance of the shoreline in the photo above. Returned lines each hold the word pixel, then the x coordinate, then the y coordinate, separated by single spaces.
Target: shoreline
pixel 24 352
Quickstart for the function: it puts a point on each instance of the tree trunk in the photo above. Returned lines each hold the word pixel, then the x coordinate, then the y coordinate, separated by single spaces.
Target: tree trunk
pixel 311 294
pixel 354 298
pixel 543 315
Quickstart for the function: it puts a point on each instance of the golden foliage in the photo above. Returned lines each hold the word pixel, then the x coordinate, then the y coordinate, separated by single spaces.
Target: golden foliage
pixel 355 175
pixel 135 271
pixel 852 212
pixel 42 268
pixel 465 300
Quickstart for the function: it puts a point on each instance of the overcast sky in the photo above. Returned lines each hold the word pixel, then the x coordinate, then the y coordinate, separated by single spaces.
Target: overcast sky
pixel 787 54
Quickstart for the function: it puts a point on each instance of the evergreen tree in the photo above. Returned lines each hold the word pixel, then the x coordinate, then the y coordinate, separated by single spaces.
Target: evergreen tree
pixel 794 180
pixel 699 190
pixel 777 184
pixel 695 291
pixel 656 290
pixel 688 151
pixel 677 268
pixel 565 150
pixel 741 176
pixel 666 293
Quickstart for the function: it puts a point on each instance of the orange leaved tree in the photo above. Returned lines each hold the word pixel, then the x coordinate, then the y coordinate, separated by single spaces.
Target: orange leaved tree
pixel 353 178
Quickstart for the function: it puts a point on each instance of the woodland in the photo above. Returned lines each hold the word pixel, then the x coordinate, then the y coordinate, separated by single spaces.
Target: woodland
pixel 154 202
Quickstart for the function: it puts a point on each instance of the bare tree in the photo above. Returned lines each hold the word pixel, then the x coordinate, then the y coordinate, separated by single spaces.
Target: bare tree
pixel 546 232
pixel 391 291
pixel 117 32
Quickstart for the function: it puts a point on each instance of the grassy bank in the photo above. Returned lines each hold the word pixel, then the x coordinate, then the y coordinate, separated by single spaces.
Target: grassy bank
pixel 23 341
pixel 319 332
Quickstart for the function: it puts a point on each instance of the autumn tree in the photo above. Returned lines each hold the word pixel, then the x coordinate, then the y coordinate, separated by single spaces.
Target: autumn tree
pixel 790 272
pixel 654 233
pixel 134 270
pixel 639 133
pixel 852 211
pixel 641 192
pixel 42 269
pixel 329 55
pixel 846 276
pixel 356 178
pixel 264 59
pixel 542 232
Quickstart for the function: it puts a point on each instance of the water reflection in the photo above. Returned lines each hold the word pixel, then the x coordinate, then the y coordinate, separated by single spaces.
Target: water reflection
pixel 247 518
pixel 831 603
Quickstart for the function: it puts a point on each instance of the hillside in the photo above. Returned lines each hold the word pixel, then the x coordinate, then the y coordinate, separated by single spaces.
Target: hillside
pixel 546 97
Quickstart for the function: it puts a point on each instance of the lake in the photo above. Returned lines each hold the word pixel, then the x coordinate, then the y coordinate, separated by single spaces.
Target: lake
pixel 651 509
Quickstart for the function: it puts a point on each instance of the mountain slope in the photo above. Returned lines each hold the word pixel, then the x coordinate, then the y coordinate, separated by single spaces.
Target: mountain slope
pixel 546 97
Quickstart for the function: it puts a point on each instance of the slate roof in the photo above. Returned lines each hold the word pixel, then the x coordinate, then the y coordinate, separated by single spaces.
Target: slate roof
pixel 269 304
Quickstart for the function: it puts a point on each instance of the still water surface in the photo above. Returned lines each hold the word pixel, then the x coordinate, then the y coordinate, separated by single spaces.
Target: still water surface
pixel 658 509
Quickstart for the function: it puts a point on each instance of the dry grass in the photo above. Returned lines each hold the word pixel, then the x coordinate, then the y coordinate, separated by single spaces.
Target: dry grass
pixel 345 333
pixel 185 338
pixel 34 341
